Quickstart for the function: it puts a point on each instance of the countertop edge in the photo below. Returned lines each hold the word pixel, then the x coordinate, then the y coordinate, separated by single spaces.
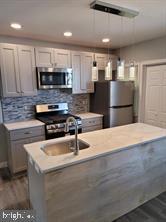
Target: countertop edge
pixel 45 171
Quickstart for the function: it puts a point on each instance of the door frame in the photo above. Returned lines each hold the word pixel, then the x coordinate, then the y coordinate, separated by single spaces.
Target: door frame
pixel 142 84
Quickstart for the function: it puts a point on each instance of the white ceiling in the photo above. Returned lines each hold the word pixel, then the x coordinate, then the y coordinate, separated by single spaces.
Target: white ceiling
pixel 48 19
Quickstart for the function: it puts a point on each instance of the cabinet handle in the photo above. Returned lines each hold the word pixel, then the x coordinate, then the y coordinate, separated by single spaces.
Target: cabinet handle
pixel 27 133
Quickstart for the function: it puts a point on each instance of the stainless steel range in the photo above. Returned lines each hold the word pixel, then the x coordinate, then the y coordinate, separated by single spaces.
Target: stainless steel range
pixel 54 116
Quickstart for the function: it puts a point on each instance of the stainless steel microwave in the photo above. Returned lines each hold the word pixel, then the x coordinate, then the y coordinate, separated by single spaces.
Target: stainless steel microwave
pixel 52 78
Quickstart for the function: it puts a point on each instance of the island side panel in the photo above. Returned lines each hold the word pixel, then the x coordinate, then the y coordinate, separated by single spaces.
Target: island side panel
pixel 105 188
pixel 36 192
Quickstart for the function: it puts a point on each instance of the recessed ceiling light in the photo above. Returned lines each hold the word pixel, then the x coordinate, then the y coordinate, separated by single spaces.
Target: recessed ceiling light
pixel 105 40
pixel 15 25
pixel 67 34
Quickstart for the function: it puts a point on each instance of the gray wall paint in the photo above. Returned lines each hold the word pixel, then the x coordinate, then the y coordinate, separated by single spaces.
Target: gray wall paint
pixel 148 50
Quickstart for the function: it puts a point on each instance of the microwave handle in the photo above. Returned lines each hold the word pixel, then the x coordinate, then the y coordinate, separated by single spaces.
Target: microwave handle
pixel 54 64
pixel 66 79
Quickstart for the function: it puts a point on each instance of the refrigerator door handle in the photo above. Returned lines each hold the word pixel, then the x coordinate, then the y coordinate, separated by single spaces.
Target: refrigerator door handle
pixel 119 107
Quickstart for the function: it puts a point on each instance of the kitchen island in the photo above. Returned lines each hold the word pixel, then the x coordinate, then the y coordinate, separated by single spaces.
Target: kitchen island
pixel 123 168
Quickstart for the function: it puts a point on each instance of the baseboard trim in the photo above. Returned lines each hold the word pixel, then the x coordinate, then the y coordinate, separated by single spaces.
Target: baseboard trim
pixel 3 164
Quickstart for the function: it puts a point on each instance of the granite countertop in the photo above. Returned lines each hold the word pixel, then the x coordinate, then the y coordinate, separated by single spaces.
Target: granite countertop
pixel 23 124
pixel 89 115
pixel 101 142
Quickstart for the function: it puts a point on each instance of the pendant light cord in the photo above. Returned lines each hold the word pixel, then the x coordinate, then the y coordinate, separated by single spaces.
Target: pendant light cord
pixel 121 37
pixel 94 30
pixel 109 36
pixel 133 39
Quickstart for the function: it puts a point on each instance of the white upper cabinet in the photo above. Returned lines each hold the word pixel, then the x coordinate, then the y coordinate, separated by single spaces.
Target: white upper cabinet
pixel 44 57
pixel 27 70
pixel 86 80
pixel 9 70
pixel 77 71
pixel 62 58
pixel 49 57
pixel 102 60
pixel 82 71
pixel 17 70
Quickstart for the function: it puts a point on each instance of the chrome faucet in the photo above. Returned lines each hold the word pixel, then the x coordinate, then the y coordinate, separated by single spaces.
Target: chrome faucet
pixel 76 144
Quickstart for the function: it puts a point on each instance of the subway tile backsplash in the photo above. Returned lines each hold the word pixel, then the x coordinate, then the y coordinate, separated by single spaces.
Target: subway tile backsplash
pixel 22 108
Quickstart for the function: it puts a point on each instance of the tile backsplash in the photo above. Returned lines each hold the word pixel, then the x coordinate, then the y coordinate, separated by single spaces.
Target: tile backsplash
pixel 22 108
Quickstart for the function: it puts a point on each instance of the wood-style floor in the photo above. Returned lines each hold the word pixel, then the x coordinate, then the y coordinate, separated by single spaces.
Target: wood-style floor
pixel 14 195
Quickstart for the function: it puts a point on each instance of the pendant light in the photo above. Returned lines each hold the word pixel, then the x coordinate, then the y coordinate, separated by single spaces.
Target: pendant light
pixel 132 69
pixel 108 68
pixel 120 62
pixel 121 69
pixel 94 65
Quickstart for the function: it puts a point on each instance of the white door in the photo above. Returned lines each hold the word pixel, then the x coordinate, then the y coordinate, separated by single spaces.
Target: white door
pixel 44 57
pixel 155 100
pixel 9 70
pixel 27 70
pixel 62 58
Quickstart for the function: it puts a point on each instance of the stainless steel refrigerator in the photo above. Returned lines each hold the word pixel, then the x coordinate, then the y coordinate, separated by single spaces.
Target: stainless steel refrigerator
pixel 113 99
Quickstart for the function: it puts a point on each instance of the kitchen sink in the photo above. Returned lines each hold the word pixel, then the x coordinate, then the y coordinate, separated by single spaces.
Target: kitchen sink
pixel 55 149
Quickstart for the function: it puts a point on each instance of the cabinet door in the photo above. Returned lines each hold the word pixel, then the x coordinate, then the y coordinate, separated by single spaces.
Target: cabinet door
pixel 44 57
pixel 114 62
pixel 9 70
pixel 86 77
pixel 101 60
pixel 27 70
pixel 77 72
pixel 18 155
pixel 62 58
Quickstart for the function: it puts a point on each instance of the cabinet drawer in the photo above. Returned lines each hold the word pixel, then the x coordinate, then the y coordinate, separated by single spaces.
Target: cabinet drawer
pixel 91 128
pixel 91 122
pixel 26 133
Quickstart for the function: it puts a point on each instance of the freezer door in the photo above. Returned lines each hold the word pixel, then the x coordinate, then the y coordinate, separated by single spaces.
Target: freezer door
pixel 121 93
pixel 121 116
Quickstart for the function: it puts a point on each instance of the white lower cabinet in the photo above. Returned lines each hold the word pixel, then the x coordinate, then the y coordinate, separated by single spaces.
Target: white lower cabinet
pixel 82 72
pixel 17 64
pixel 17 158
pixel 92 124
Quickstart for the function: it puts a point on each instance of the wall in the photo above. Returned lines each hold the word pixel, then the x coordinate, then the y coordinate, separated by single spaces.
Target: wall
pixel 148 50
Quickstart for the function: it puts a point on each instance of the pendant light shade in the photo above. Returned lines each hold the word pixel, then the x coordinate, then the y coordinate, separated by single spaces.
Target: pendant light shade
pixel 94 71
pixel 132 71
pixel 108 71
pixel 121 68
